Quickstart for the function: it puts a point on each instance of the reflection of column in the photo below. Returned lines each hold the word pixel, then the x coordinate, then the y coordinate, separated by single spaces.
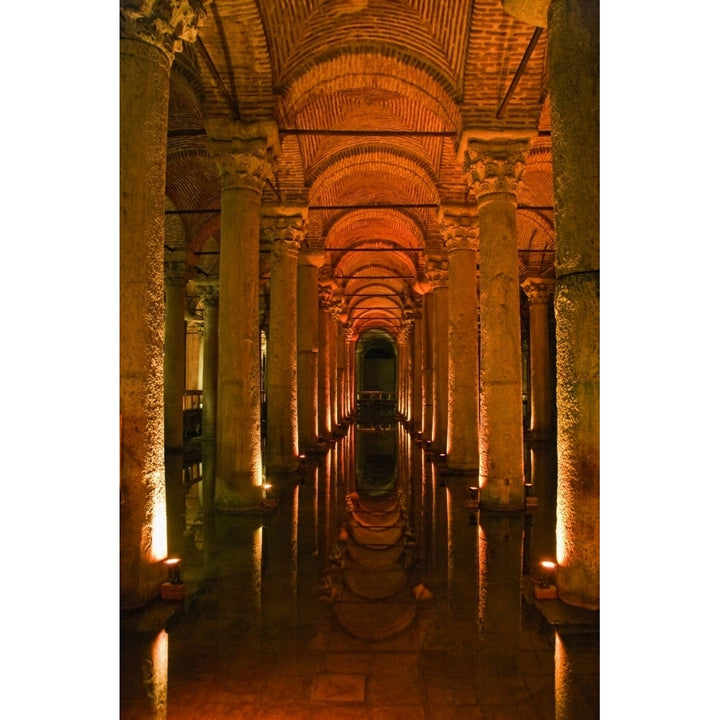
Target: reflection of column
pixel 573 57
pixel 307 301
pixel 438 275
pixel 281 380
pixel 243 156
pixel 500 562
pixel 148 40
pixel 280 568
pixel 461 239
pixel 577 675
pixel 462 553
pixel 493 171
pixel 210 297
pixel 540 436
pixel 176 277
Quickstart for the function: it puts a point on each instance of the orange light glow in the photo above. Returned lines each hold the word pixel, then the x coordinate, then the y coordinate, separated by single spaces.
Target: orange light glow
pixel 158 520
pixel 158 682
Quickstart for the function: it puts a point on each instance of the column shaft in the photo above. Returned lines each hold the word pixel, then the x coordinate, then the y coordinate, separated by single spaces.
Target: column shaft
pixel 307 301
pixel 144 88
pixel 174 391
pixel 209 397
pixel 460 231
pixel 243 155
pixel 573 56
pixel 148 41
pixel 282 431
pixel 494 170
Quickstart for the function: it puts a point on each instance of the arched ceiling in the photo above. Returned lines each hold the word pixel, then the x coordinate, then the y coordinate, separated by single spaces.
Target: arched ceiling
pixel 371 99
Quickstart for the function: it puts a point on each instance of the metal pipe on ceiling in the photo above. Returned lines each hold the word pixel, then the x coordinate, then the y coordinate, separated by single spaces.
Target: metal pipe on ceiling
pixel 518 73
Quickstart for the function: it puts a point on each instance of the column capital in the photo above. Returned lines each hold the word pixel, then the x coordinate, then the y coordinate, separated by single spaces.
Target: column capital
pixel 162 23
pixel 285 233
pixel 493 165
pixel 539 291
pixel 245 154
pixel 437 272
pixel 209 291
pixel 177 272
pixel 459 226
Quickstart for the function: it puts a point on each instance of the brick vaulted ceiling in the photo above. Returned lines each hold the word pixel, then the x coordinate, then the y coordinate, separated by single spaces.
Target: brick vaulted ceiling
pixel 371 98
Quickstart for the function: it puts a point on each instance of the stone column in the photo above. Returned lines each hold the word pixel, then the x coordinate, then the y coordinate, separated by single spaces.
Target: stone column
pixel 541 435
pixel 417 384
pixel 149 38
pixel 573 57
pixel 438 275
pixel 307 301
pixel 325 292
pixel 493 170
pixel 286 232
pixel 332 366
pixel 210 296
pixel 341 366
pixel 350 338
pixel 460 232
pixel 427 371
pixel 176 277
pixel 243 154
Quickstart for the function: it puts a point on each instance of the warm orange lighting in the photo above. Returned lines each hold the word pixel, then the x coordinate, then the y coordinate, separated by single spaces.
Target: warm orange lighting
pixel 547 572
pixel 158 682
pixel 173 569
pixel 158 519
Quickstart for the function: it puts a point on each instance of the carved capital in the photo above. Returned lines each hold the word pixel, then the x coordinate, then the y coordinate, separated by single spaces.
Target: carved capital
pixel 437 273
pixel 539 291
pixel 245 155
pixel 209 291
pixel 162 23
pixel 285 233
pixel 493 166
pixel 459 227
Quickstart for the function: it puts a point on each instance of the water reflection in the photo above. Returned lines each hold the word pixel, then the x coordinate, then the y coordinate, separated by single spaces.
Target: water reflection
pixel 375 574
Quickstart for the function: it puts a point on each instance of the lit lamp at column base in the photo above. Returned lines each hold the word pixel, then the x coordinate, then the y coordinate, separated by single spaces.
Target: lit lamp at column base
pixel 173 588
pixel 546 590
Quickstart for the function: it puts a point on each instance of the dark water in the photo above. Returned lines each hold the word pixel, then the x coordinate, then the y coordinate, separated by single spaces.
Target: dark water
pixel 374 590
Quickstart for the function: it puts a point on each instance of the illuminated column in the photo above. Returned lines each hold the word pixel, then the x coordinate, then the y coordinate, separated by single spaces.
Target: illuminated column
pixel 427 372
pixel 417 384
pixel 323 363
pixel 438 275
pixel 401 371
pixel 243 155
pixel 493 170
pixel 541 436
pixel 176 277
pixel 210 297
pixel 460 232
pixel 148 40
pixel 307 300
pixel 332 365
pixel 350 338
pixel 341 366
pixel 286 232
pixel 573 56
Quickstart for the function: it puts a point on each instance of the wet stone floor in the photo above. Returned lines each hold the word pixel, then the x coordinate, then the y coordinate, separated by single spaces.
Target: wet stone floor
pixel 358 601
